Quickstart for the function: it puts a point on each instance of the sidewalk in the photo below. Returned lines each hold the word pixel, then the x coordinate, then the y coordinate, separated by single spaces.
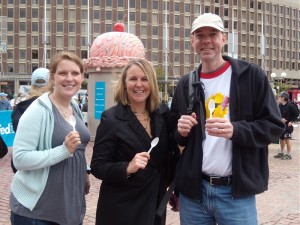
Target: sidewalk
pixel 280 205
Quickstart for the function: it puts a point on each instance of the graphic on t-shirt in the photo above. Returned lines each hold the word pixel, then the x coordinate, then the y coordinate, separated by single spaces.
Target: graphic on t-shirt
pixel 221 107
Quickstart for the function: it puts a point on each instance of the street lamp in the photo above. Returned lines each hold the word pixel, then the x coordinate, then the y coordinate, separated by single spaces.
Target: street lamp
pixel 282 76
pixel 273 75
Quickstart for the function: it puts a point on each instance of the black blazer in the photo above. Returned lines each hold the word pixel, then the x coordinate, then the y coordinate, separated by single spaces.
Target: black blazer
pixel 3 148
pixel 119 137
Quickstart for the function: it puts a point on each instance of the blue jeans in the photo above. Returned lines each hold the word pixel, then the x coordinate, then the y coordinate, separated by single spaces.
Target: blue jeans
pixel 23 220
pixel 217 207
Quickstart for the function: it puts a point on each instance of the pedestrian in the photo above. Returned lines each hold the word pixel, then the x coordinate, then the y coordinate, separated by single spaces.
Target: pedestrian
pixel 289 114
pixel 3 148
pixel 49 152
pixel 39 81
pixel 133 180
pixel 4 103
pixel 224 162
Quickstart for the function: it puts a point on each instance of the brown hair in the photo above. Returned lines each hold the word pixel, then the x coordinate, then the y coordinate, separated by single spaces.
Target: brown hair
pixel 120 93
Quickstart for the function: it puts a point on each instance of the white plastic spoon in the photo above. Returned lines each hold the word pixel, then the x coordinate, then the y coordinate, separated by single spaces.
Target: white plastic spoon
pixel 72 121
pixel 211 107
pixel 153 144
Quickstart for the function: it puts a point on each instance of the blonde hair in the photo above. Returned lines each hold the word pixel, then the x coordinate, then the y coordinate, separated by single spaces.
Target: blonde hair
pixel 120 93
pixel 57 59
pixel 37 91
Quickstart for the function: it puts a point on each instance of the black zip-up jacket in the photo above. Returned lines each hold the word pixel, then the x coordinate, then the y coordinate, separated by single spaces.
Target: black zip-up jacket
pixel 255 116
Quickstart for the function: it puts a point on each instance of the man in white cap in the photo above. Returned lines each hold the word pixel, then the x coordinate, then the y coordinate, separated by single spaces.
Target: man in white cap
pixel 225 125
pixel 4 103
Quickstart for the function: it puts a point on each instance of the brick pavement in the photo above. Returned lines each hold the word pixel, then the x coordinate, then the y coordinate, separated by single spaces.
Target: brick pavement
pixel 280 205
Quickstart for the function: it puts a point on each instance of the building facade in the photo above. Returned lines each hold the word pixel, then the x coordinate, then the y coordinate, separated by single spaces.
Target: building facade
pixel 265 32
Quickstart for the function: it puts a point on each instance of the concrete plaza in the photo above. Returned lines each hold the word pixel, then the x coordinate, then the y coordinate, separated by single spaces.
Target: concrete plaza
pixel 280 205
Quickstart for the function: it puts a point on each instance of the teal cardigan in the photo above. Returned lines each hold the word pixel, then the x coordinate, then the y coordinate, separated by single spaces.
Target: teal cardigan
pixel 32 151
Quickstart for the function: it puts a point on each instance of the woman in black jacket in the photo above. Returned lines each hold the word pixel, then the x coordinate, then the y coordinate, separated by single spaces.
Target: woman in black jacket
pixel 133 181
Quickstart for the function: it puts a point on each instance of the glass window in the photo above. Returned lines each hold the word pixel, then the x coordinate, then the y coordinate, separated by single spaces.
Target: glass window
pixel 84 14
pixel 187 7
pixel 71 2
pixel 143 17
pixel 176 20
pixel 155 5
pixel 176 6
pixel 72 14
pixel 176 32
pixel 23 2
pixel 108 15
pixel 108 3
pixel 154 56
pixel 59 14
pixel 34 26
pixel 83 2
pixel 22 27
pixel 10 40
pixel 143 4
pixel 35 13
pixel 120 15
pixel 59 41
pixel 10 13
pixel 154 30
pixel 96 27
pixel 22 53
pixel 34 54
pixel 176 45
pixel 59 2
pixel 72 41
pixel 96 2
pixel 132 16
pixel 187 45
pixel 154 18
pixel 154 43
pixel 22 13
pixel 59 27
pixel 120 3
pixel 132 4
pixel 96 15
pixel 22 41
pixel 35 40
pixel 72 27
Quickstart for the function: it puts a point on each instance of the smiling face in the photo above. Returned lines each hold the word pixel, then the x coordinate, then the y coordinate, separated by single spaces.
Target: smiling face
pixel 208 42
pixel 67 79
pixel 137 87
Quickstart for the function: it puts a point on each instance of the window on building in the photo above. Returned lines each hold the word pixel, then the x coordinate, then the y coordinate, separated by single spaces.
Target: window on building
pixel 22 26
pixel 72 27
pixel 251 26
pixel 96 2
pixel 154 43
pixel 154 56
pixel 207 9
pixel 143 17
pixel 176 20
pixel 34 54
pixel 187 45
pixel 96 15
pixel 226 12
pixel 251 4
pixel 59 2
pixel 72 2
pixel 120 3
pixel 10 13
pixel 132 3
pixel 155 30
pixel 22 12
pixel 176 6
pixel 176 44
pixel 108 15
pixel 217 10
pixel 154 18
pixel 108 3
pixel 10 40
pixel 35 40
pixel 177 57
pixel 155 4
pixel 22 2
pixel 22 53
pixel 59 41
pixel 120 15
pixel 22 41
pixel 84 14
pixel 132 16
pixel 59 27
pixel 34 26
pixel 35 13
pixel 176 32
pixel 96 28
pixel 144 4
pixel 259 5
pixel 72 41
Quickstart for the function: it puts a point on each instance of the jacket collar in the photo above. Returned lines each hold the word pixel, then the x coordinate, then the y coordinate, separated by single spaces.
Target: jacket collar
pixel 125 113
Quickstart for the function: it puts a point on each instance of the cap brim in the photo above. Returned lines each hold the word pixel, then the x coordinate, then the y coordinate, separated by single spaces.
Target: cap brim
pixel 212 26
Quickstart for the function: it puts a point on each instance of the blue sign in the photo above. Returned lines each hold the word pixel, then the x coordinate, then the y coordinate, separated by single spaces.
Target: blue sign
pixel 6 128
pixel 99 99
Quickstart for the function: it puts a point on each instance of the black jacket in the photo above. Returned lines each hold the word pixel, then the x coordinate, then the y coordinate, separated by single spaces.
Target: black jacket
pixel 256 119
pixel 134 200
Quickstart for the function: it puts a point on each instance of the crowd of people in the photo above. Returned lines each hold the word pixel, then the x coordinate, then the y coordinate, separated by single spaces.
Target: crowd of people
pixel 213 142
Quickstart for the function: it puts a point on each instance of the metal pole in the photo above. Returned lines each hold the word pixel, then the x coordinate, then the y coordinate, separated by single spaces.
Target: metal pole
pixel 232 24
pixel 128 16
pixel 45 34
pixel 88 30
pixel 166 51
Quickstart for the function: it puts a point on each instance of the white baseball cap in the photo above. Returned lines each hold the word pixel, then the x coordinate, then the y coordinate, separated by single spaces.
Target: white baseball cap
pixel 208 20
pixel 40 77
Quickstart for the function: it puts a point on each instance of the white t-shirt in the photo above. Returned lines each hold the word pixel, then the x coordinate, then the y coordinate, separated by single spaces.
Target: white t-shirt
pixel 217 151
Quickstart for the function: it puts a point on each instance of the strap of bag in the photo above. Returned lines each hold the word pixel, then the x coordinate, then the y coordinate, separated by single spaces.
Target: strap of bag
pixel 191 93
pixel 162 206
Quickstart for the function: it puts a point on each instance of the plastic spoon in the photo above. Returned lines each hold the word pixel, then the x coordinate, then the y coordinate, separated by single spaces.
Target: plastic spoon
pixel 153 144
pixel 211 107
pixel 72 121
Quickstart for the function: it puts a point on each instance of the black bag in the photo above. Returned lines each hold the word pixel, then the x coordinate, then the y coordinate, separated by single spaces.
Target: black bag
pixel 3 148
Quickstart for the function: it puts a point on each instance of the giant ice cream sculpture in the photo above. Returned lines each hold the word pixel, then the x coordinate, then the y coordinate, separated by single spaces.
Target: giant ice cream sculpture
pixel 109 53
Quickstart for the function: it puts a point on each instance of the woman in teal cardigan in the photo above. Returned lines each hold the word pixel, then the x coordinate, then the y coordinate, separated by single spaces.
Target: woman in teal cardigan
pixel 49 153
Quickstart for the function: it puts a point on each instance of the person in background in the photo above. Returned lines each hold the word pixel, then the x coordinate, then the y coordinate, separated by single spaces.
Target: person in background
pixel 3 147
pixel 39 81
pixel 288 114
pixel 133 180
pixel 224 162
pixel 4 103
pixel 49 154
